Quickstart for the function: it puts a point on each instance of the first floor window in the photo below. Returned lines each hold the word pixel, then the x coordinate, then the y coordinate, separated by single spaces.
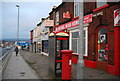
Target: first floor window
pixel 101 3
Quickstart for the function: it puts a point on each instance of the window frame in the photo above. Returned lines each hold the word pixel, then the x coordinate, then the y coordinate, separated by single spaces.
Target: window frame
pixel 57 14
pixel 86 41
pixel 76 7
pixel 72 31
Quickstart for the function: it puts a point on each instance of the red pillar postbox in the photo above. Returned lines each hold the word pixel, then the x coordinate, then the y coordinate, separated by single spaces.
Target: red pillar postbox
pixel 66 64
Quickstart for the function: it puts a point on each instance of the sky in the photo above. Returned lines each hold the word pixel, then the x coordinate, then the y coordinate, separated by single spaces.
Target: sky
pixel 30 15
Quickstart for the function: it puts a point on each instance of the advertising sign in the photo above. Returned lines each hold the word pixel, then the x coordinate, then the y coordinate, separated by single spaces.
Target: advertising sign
pixel 66 15
pixel 87 19
pixel 102 38
pixel 117 17
pixel 68 25
pixel 49 22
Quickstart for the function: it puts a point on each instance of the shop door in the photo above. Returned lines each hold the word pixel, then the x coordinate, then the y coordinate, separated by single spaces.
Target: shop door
pixel 102 49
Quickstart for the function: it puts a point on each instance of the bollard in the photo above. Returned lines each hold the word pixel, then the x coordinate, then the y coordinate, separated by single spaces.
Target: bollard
pixel 66 64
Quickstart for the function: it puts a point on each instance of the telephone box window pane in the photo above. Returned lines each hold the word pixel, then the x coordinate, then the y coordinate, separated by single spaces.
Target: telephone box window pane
pixel 64 44
pixel 74 45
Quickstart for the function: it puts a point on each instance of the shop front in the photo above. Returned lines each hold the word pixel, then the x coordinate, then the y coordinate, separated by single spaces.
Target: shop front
pixel 45 46
pixel 103 42
pixel 39 46
pixel 72 28
pixel 101 39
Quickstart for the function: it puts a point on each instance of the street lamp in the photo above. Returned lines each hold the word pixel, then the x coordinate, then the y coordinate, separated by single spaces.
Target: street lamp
pixel 18 24
pixel 80 63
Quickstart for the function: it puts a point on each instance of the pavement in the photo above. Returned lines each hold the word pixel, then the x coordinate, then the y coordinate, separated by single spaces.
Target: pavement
pixel 39 63
pixel 17 68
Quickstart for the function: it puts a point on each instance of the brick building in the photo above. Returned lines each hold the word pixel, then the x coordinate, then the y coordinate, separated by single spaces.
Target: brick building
pixel 100 35
pixel 57 13
pixel 103 38
pixel 31 40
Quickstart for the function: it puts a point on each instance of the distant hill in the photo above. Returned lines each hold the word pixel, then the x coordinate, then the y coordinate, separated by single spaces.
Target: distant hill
pixel 21 39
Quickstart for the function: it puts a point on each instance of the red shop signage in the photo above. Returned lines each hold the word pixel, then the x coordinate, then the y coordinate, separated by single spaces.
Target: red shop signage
pixel 117 17
pixel 87 19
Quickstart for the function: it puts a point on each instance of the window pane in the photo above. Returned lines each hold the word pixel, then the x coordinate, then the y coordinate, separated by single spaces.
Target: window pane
pixel 75 35
pixel 74 45
pixel 102 45
pixel 57 18
pixel 99 4
pixel 84 43
pixel 76 9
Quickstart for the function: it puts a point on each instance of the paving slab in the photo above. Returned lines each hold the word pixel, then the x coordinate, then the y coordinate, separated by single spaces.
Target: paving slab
pixel 17 68
pixel 40 64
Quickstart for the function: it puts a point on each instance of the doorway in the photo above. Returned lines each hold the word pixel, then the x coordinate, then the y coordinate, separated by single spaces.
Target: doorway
pixel 102 49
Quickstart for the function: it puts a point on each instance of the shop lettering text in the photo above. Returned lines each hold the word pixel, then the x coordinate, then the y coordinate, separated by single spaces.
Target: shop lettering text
pixel 87 19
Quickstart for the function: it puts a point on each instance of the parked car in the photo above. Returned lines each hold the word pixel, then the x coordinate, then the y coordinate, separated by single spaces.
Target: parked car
pixel 8 48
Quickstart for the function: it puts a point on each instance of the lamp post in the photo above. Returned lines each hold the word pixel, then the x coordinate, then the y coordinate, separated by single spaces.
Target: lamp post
pixel 18 24
pixel 80 65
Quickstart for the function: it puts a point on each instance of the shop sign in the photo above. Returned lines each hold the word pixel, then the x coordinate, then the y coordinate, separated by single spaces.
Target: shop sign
pixel 44 37
pixel 97 14
pixel 66 15
pixel 117 17
pixel 87 19
pixel 62 34
pixel 67 25
pixel 49 22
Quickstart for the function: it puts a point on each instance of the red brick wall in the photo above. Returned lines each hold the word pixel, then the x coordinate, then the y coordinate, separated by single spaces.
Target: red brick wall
pixel 88 7
pixel 31 35
pixel 106 20
pixel 64 7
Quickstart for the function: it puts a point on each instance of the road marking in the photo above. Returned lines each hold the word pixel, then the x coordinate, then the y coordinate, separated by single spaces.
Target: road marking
pixel 3 56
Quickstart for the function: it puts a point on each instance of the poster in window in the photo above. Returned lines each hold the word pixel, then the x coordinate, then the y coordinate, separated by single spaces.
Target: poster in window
pixel 102 38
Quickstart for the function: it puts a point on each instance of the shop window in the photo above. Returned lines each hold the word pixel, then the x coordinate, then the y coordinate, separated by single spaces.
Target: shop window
pixel 100 3
pixel 74 41
pixel 57 18
pixel 74 36
pixel 102 45
pixel 76 8
pixel 45 46
pixel 85 41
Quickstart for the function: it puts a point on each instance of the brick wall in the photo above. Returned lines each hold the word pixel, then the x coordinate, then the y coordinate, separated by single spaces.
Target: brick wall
pixel 64 7
pixel 107 20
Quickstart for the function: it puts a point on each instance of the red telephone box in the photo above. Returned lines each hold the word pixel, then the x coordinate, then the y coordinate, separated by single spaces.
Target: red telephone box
pixel 57 42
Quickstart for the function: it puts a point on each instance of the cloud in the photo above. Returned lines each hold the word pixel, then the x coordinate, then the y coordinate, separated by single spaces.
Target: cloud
pixel 30 14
